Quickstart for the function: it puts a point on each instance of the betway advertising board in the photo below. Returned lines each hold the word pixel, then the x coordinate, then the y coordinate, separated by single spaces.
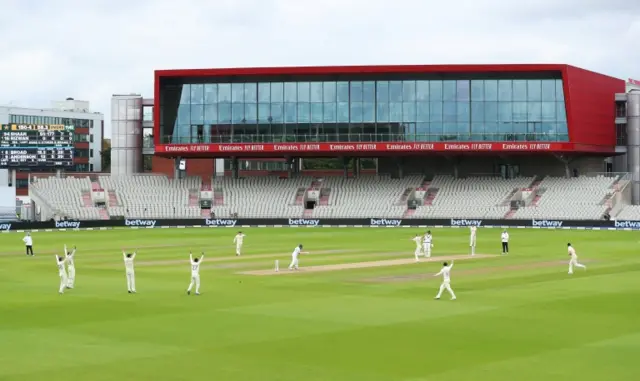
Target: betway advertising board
pixel 144 223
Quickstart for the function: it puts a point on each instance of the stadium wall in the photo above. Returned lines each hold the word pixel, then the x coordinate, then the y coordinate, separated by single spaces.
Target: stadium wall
pixel 204 168
pixel 590 102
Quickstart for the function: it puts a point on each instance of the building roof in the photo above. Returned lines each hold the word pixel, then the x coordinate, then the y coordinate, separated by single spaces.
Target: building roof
pixel 386 69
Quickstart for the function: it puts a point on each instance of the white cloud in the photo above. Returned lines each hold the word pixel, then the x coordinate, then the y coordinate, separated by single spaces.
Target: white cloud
pixel 92 49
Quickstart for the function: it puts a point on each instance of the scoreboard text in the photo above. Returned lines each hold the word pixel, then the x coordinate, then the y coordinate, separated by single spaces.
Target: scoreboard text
pixel 36 145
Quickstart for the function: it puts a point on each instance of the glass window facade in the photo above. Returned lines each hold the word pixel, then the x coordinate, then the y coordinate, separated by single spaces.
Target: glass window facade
pixel 425 110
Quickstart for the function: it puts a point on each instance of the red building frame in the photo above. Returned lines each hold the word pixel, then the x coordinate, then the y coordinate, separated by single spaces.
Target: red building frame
pixel 589 100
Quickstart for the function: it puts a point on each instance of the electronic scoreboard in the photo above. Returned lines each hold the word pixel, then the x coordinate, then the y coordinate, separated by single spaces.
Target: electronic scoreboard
pixel 36 145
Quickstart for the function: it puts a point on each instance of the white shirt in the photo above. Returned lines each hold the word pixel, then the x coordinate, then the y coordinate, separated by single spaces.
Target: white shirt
pixel 572 252
pixel 446 273
pixel 239 238
pixel 28 241
pixel 473 231
pixel 128 262
pixel 427 238
pixel 417 240
pixel 505 237
pixel 296 252
pixel 70 258
pixel 61 265
pixel 195 265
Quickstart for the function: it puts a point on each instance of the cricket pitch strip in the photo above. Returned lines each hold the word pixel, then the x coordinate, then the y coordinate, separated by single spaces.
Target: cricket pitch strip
pixel 363 265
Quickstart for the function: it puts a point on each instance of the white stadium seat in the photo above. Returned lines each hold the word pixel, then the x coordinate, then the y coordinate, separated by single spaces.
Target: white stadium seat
pixel 472 197
pixel 153 196
pixel 65 196
pixel 377 196
pixel 366 196
pixel 578 198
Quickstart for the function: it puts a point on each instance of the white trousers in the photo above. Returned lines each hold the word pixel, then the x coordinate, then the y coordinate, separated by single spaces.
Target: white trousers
pixel 72 276
pixel 426 248
pixel 574 263
pixel 195 279
pixel 418 253
pixel 131 281
pixel 63 282
pixel 238 249
pixel 294 263
pixel 446 286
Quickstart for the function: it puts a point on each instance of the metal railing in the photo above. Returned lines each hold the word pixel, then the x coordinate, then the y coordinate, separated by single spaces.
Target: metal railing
pixel 361 138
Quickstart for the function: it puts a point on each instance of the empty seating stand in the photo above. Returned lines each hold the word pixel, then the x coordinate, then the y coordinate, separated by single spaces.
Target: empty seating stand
pixel 152 196
pixel 578 198
pixel 67 196
pixel 259 197
pixel 471 197
pixel 376 196
pixel 366 196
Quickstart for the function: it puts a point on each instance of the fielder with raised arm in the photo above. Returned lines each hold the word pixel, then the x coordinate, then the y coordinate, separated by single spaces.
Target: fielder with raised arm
pixel 71 267
pixel 446 280
pixel 418 240
pixel 427 244
pixel 128 268
pixel 60 261
pixel 574 259
pixel 472 239
pixel 294 257
pixel 239 240
pixel 195 273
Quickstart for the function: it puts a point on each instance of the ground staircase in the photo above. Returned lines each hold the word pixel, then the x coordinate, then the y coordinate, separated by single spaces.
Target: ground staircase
pixel 300 196
pixel 430 196
pixel 536 183
pixel 205 213
pixel 194 198
pixel 104 215
pixel 307 213
pixel 112 199
pixel 404 196
pixel 324 196
pixel 507 200
pixel 86 199
pixel 510 213
pixel 408 213
pixel 218 196
pixel 536 200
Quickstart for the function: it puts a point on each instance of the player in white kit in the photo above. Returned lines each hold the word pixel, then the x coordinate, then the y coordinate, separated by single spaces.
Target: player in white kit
pixel 60 261
pixel 128 267
pixel 294 257
pixel 446 280
pixel 239 240
pixel 195 273
pixel 418 240
pixel 574 259
pixel 71 267
pixel 472 239
pixel 427 244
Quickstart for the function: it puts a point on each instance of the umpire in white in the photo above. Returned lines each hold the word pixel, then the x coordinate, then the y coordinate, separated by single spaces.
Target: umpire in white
pixel 504 238
pixel 28 244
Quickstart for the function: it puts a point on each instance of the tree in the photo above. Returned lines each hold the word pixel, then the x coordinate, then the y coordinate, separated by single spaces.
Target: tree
pixel 105 155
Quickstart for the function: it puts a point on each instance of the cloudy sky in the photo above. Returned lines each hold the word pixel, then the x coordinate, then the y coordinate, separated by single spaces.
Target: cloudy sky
pixel 91 49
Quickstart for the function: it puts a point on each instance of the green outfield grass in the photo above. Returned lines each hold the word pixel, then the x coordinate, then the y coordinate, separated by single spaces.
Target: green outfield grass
pixel 518 317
